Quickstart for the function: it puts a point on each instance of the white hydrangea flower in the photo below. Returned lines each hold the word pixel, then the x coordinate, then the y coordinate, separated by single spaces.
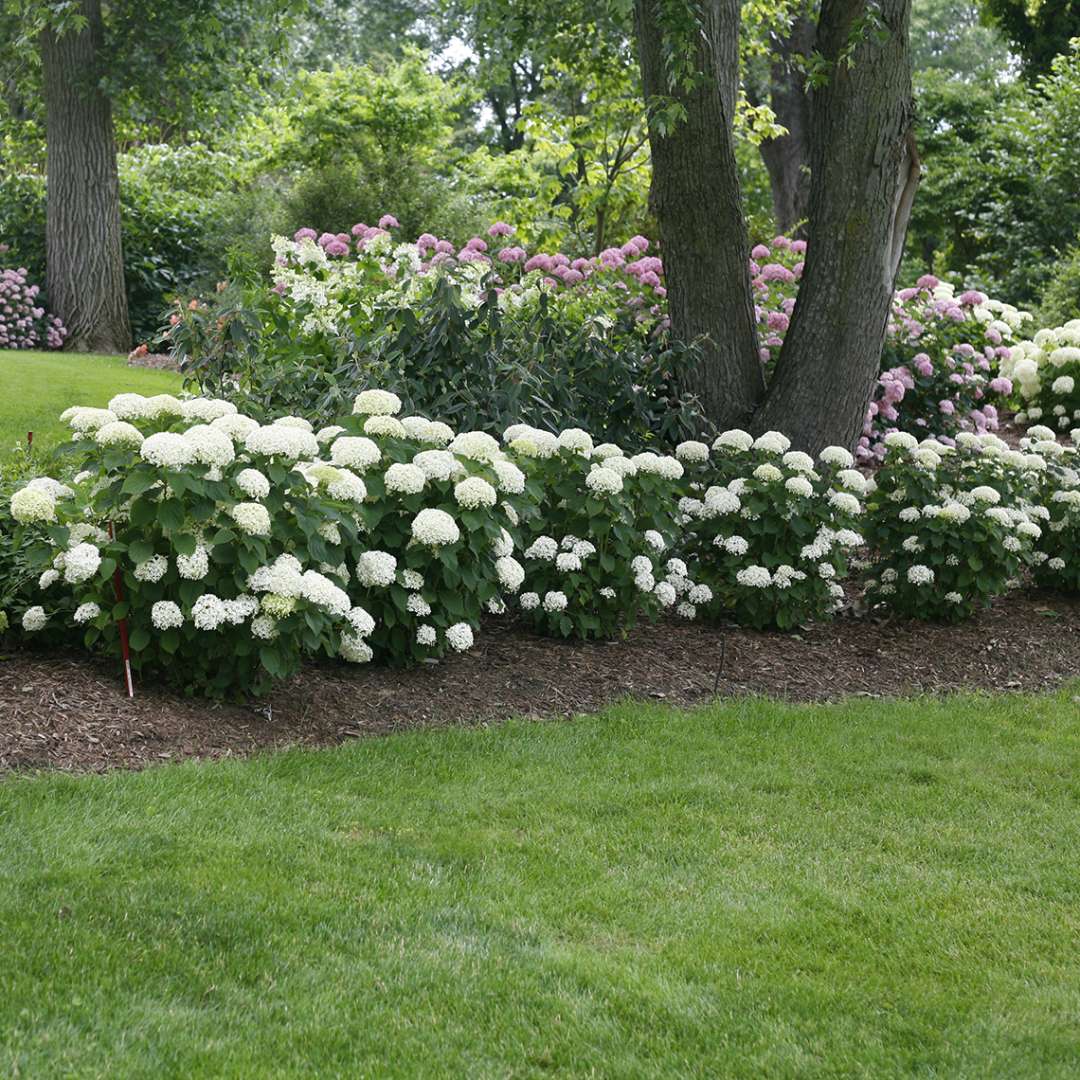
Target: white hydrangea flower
pixel 920 575
pixel 665 592
pixel 167 450
pixel 767 473
pixel 736 545
pixel 329 433
pixel 654 540
pixel 264 628
pixel 836 455
pixel 475 445
pixel 686 610
pixel 900 440
pixel 319 590
pixel 154 569
pixel 405 479
pixel 48 578
pixel 754 577
pixel 417 605
pixel 668 467
pixel 426 635
pixel 34 618
pixel 604 481
pixel 799 485
pixel 438 433
pixel 81 563
pixel 566 562
pixel 699 594
pixel 576 440
pixel 30 506
pixel 252 518
pixel 87 612
pixel 376 569
pixel 437 464
pixel 347 487
pixel 119 433
pixel 797 460
pixel 208 612
pixel 693 451
pixel 411 579
pixel 252 483
pixel 474 492
pixel 387 426
pixel 621 466
pixel 607 450
pixel 511 479
pixel 555 601
pixel 459 636
pixel 194 567
pixel 845 502
pixel 504 545
pixel 237 427
pixel 735 439
pixel 510 572
pixel 435 528
pixel 355 452
pixel 543 547
pixel 376 403
pixel 355 650
pixel 86 420
pixel 772 442
pixel 166 615
pixel 529 601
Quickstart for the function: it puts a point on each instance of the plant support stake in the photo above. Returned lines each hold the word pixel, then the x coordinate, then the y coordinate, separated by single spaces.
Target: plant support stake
pixel 125 648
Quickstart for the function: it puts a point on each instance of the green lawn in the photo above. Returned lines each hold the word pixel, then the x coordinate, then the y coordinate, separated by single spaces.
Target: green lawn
pixel 749 890
pixel 36 387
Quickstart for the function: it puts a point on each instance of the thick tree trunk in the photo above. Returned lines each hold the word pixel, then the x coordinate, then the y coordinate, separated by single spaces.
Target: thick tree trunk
pixel 787 159
pixel 698 206
pixel 84 260
pixel 864 171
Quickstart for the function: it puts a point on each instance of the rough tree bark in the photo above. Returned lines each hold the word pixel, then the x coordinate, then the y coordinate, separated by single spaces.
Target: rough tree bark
pixel 787 158
pixel 698 206
pixel 864 171
pixel 84 259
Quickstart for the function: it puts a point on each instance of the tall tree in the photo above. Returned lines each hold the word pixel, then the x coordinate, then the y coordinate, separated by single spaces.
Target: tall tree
pixel 864 172
pixel 84 261
pixel 696 198
pixel 1038 31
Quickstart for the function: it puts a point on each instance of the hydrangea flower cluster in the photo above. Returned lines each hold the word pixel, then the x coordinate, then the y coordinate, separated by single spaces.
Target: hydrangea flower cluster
pixel 952 526
pixel 24 322
pixel 1045 371
pixel 770 530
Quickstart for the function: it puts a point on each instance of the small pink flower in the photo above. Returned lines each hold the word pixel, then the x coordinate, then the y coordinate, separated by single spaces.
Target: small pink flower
pixel 388 221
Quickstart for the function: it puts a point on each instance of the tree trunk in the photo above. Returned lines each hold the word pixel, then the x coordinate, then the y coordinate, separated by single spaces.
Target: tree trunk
pixel 787 159
pixel 84 260
pixel 696 199
pixel 864 171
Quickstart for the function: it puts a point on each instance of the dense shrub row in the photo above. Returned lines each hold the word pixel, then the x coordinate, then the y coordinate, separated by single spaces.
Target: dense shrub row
pixel 232 549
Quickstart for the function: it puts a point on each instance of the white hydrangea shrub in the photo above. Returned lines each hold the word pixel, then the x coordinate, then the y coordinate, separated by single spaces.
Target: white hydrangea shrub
pixel 770 531
pixel 952 527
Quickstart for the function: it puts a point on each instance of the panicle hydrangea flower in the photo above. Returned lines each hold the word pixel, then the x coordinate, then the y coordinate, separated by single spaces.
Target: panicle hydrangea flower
pixel 376 569
pixel 166 615
pixel 376 403
pixel 435 528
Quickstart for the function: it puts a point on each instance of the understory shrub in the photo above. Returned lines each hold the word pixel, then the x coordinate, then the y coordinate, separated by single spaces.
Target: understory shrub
pixel 1057 558
pixel 768 530
pixel 951 527
pixel 24 322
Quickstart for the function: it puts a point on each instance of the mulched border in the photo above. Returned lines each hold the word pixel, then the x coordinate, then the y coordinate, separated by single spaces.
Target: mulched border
pixel 68 711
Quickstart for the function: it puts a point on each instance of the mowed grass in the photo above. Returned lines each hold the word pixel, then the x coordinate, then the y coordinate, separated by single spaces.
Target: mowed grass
pixel 36 387
pixel 870 889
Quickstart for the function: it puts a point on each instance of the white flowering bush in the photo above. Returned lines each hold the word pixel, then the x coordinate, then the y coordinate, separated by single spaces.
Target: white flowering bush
pixel 1057 551
pixel 438 525
pixel 229 559
pixel 952 527
pixel 597 555
pixel 1045 372
pixel 770 530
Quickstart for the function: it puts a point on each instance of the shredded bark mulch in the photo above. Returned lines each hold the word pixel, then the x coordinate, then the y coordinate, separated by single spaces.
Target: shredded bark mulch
pixel 70 712
pixel 159 361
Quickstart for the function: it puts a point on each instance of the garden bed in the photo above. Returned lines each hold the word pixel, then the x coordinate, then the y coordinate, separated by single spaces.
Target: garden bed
pixel 68 712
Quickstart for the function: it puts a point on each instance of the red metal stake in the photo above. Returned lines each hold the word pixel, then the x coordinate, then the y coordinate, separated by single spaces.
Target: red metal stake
pixel 29 439
pixel 125 648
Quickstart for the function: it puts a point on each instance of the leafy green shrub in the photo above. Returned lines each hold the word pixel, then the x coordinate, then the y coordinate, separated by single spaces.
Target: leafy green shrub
pixel 768 530
pixel 951 527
